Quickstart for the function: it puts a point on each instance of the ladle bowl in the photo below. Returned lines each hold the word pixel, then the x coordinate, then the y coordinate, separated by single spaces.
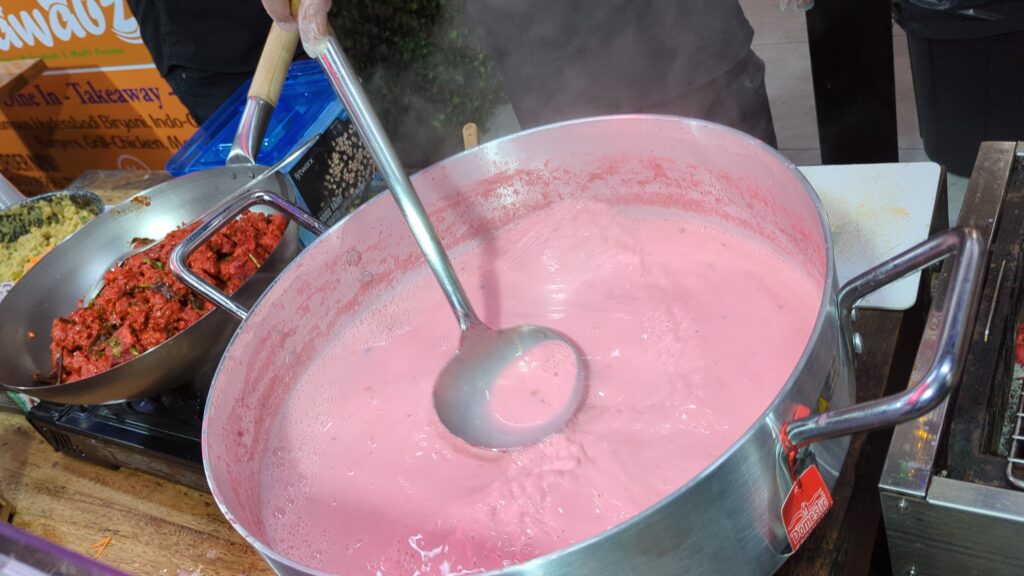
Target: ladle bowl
pixel 464 394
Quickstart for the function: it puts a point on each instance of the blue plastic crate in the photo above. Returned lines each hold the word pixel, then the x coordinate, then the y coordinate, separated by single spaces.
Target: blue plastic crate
pixel 306 108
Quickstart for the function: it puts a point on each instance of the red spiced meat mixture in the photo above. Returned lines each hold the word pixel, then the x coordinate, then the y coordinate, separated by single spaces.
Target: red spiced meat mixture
pixel 142 304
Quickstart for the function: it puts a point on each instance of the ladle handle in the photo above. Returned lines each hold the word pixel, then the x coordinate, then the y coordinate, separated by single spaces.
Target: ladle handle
pixel 219 217
pixel 944 343
pixel 348 88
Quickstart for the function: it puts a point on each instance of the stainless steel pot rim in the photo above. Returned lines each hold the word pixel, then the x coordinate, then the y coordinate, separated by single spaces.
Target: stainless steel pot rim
pixel 823 311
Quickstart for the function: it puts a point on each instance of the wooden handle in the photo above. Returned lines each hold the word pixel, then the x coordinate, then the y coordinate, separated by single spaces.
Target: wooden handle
pixel 470 137
pixel 277 56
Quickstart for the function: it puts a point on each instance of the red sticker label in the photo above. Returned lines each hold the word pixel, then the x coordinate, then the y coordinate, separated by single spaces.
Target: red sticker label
pixel 806 505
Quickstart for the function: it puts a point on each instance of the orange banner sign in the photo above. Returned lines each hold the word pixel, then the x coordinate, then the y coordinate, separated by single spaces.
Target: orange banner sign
pixel 101 104
pixel 71 33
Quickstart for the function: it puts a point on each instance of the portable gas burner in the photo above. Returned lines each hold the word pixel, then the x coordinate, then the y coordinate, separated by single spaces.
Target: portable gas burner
pixel 158 436
pixel 952 489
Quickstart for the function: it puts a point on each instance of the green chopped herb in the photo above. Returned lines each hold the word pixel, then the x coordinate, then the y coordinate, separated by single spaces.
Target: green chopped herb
pixel 156 264
pixel 254 260
pixel 145 286
pixel 134 351
pixel 115 346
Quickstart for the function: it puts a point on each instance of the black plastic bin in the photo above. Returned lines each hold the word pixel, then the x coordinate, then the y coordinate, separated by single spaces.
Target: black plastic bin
pixel 967 61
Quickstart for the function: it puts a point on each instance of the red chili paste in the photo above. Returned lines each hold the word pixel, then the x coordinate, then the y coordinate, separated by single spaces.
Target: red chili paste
pixel 142 304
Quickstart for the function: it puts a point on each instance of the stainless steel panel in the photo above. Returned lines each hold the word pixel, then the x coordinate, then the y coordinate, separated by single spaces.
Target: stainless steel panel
pixel 961 529
pixel 908 466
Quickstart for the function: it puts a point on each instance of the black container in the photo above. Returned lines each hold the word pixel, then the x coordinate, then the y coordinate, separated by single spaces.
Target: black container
pixel 968 74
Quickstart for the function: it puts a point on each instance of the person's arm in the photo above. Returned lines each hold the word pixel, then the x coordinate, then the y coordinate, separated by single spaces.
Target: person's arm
pixel 311 21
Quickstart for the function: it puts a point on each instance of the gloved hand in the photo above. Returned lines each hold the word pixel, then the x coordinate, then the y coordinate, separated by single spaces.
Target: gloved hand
pixel 311 22
pixel 281 12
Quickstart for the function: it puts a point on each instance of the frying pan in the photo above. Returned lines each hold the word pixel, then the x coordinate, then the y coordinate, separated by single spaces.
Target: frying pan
pixel 53 287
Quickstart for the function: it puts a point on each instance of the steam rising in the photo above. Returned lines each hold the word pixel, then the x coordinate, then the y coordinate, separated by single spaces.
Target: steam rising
pixel 434 65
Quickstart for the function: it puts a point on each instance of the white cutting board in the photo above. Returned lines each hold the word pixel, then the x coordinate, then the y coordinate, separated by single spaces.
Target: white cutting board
pixel 877 211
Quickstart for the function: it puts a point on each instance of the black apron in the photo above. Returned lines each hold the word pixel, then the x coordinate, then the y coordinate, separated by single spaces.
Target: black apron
pixel 219 36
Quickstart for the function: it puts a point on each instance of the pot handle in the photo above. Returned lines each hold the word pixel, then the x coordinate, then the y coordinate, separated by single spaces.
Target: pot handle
pixel 217 219
pixel 944 343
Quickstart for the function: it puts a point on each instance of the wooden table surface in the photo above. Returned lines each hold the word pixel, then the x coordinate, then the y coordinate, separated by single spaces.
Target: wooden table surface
pixel 156 527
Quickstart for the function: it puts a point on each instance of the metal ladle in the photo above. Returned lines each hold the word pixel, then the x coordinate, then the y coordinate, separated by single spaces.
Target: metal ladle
pixel 462 392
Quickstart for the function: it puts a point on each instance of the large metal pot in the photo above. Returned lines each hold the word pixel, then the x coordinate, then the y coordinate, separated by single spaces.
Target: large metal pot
pixel 725 520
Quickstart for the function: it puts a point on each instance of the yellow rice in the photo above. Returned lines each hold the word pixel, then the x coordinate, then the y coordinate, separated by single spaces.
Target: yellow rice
pixel 16 255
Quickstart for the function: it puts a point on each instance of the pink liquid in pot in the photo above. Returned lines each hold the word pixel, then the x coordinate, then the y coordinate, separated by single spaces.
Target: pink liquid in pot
pixel 689 332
